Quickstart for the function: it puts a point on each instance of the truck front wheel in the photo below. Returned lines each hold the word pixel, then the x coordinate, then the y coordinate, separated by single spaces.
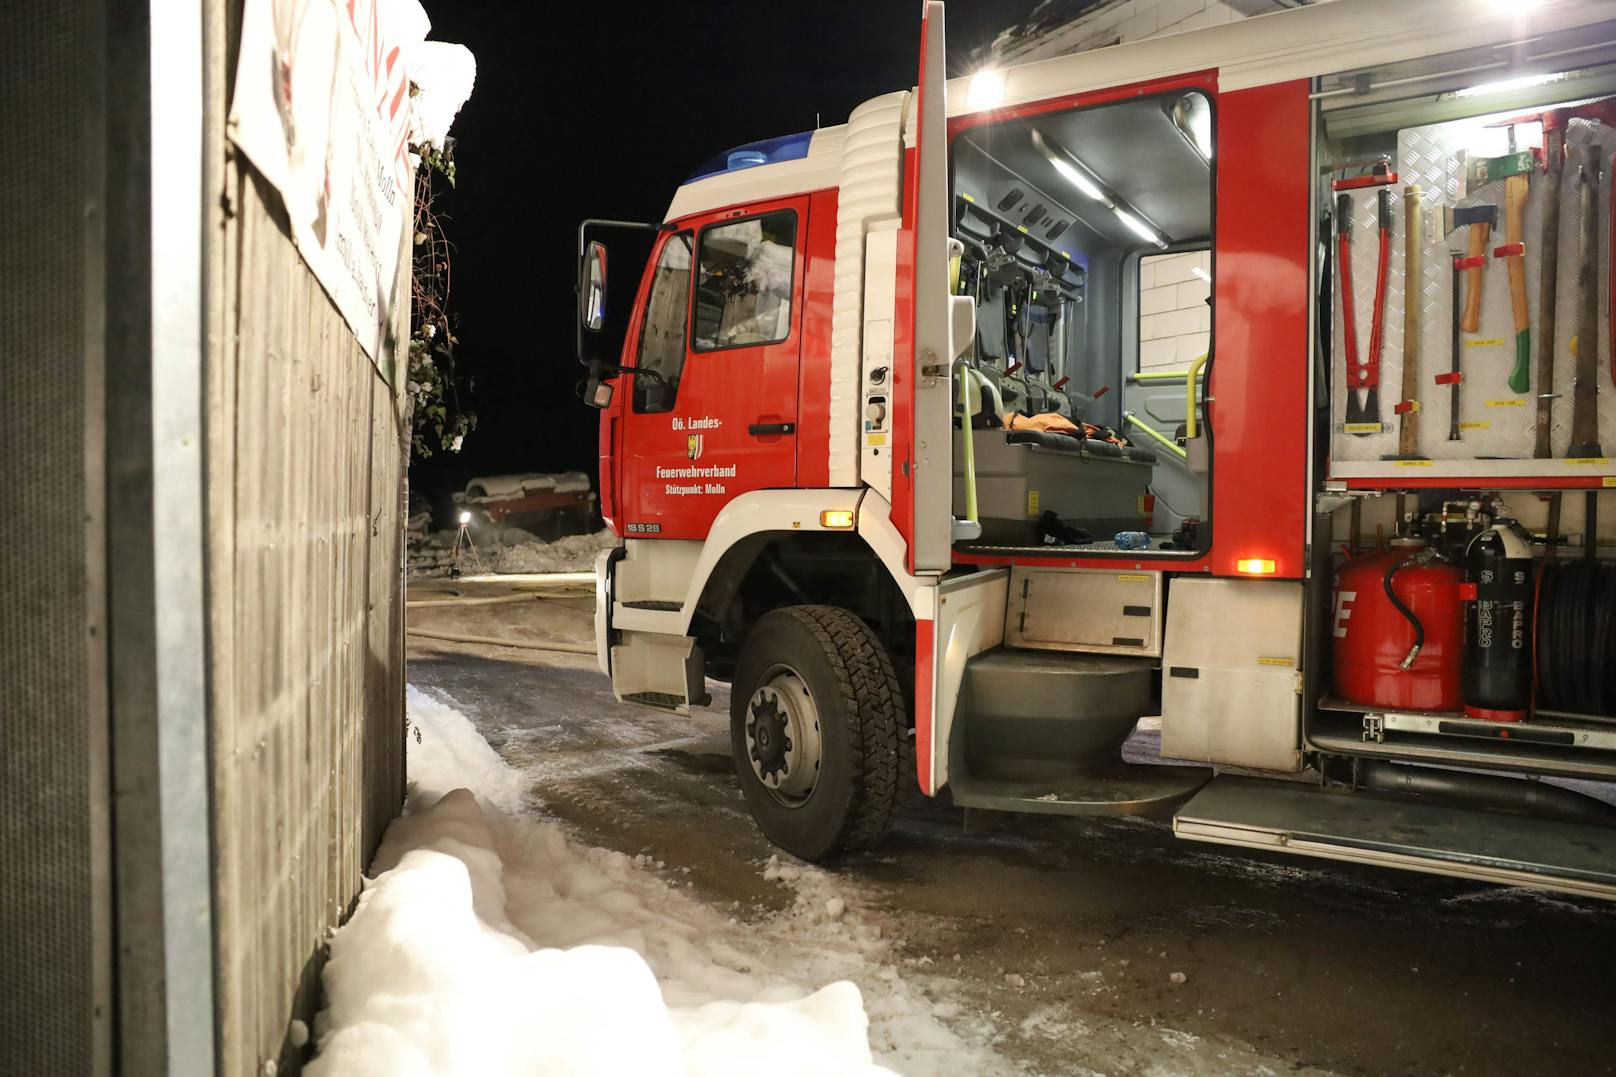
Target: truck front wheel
pixel 814 719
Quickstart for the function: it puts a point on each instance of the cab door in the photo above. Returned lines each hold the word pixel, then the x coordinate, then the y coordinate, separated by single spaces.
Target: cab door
pixel 725 422
pixel 922 478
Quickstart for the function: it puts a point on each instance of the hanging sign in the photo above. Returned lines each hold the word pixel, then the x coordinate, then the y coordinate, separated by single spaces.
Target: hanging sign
pixel 322 110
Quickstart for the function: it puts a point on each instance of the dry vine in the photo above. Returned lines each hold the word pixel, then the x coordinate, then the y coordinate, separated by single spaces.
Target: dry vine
pixel 438 421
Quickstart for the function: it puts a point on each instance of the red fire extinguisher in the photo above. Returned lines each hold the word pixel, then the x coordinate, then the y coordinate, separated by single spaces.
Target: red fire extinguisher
pixel 1398 633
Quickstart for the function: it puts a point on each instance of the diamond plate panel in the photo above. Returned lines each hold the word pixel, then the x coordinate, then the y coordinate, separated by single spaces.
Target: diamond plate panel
pixel 1495 421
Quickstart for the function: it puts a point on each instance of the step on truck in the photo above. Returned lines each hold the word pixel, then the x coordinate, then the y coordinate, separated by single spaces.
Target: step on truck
pixel 1248 380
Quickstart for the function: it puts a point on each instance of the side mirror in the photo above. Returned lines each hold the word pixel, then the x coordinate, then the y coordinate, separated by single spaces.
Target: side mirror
pixel 597 393
pixel 592 290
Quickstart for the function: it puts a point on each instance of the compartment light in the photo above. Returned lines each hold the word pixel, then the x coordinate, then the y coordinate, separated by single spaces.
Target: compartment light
pixel 1203 274
pixel 985 90
pixel 1139 227
pixel 1254 566
pixel 1077 179
pixel 1525 82
pixel 839 519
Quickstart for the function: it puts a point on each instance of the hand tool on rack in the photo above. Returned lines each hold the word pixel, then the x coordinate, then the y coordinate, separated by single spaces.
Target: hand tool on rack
pixel 1548 288
pixel 1464 263
pixel 1514 169
pixel 1585 345
pixel 1369 172
pixel 1363 372
pixel 1555 122
pixel 1407 408
pixel 1481 220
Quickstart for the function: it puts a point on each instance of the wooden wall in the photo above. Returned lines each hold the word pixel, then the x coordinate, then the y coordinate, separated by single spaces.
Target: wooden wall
pixel 306 457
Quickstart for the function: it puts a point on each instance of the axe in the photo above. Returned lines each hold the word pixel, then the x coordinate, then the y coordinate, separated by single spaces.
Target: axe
pixel 1513 169
pixel 1480 219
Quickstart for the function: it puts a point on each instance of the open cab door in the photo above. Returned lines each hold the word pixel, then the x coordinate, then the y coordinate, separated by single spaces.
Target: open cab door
pixel 922 479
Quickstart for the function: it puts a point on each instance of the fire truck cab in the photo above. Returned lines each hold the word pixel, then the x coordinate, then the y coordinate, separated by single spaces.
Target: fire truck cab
pixel 962 436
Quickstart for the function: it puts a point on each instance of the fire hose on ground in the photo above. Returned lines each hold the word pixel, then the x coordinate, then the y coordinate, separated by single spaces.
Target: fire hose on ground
pixel 494 641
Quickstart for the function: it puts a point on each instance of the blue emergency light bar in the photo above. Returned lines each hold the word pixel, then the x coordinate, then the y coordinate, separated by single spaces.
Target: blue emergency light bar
pixel 766 151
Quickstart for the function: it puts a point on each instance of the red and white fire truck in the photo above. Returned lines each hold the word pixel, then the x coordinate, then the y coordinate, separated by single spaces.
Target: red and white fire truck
pixel 1248 377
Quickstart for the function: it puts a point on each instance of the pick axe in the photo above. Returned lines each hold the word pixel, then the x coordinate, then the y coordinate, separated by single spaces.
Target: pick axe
pixel 1554 123
pixel 1585 345
pixel 1513 169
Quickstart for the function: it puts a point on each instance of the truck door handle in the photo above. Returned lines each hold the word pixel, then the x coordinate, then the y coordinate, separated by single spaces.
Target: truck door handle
pixel 765 429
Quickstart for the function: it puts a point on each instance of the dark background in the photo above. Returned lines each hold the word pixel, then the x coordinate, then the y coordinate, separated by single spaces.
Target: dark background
pixel 601 110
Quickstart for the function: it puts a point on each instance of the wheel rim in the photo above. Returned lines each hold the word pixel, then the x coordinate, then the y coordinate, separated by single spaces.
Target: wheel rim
pixel 783 740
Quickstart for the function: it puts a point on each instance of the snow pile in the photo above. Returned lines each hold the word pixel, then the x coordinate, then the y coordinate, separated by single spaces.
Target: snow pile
pixel 570 553
pixel 443 74
pixel 489 944
pixel 505 487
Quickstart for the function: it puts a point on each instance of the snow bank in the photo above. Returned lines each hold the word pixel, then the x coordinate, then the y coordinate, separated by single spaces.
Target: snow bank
pixel 570 553
pixel 489 944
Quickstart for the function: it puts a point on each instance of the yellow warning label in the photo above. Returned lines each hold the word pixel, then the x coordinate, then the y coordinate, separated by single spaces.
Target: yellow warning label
pixel 1362 428
pixel 1267 661
pixel 968 197
pixel 1608 481
pixel 875 439
pixel 1133 579
pixel 1021 228
pixel 1585 461
pixel 1032 502
pixel 1506 403
pixel 1484 424
pixel 1412 463
pixel 1490 342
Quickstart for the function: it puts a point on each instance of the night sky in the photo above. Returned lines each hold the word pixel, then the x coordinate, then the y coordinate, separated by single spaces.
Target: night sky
pixel 600 110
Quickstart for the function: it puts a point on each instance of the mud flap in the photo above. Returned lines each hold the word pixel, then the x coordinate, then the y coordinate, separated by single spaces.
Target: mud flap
pixel 655 670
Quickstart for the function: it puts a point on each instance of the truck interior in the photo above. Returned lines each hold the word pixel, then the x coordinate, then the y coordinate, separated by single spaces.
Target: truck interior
pixel 1086 238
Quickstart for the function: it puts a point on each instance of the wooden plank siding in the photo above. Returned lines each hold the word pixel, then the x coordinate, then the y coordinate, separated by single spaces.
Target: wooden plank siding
pixel 306 457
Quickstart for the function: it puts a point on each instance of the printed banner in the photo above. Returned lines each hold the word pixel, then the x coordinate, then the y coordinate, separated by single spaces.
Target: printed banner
pixel 322 109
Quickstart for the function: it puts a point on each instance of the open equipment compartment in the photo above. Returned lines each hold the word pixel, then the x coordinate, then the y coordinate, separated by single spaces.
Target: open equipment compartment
pixel 1472 609
pixel 1084 237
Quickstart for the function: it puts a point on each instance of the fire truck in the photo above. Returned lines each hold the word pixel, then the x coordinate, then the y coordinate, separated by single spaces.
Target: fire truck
pixel 1247 380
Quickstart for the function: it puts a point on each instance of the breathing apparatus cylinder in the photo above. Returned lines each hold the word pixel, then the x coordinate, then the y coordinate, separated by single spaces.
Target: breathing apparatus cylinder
pixel 1497 673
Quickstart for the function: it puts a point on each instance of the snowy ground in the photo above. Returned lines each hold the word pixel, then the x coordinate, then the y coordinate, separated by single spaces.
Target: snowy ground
pixel 490 943
pixel 1035 945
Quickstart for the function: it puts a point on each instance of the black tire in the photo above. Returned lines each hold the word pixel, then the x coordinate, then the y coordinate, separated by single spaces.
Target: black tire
pixel 855 692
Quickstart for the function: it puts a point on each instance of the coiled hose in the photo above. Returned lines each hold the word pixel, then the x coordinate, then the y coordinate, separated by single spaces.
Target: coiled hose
pixel 1576 636
pixel 1408 614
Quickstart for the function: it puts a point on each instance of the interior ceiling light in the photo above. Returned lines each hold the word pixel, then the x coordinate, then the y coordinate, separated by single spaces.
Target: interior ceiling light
pixel 1077 179
pixel 1192 115
pixel 985 90
pixel 1203 274
pixel 1139 227
pixel 1078 175
pixel 1525 82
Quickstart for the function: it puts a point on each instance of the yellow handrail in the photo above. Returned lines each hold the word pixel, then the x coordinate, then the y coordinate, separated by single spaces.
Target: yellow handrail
pixel 1166 441
pixel 1189 395
pixel 1159 375
pixel 968 436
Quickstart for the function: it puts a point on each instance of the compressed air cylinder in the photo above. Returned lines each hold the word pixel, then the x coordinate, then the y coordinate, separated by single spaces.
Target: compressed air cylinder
pixel 1497 675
